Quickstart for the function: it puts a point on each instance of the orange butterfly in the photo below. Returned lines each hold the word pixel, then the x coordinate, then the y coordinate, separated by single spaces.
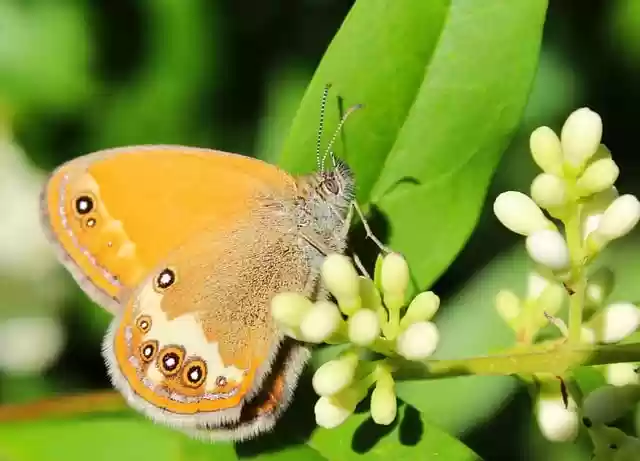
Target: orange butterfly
pixel 186 247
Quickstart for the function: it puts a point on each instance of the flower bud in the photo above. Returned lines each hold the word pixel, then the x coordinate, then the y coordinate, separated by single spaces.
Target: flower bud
pixel 615 322
pixel 518 213
pixel 335 375
pixel 394 279
pixel 364 327
pixel 607 404
pixel 546 150
pixel 421 309
pixel 593 209
pixel 288 309
pixel 550 300
pixel 536 284
pixel 549 191
pixel 599 286
pixel 329 413
pixel 418 341
pixel 580 137
pixel 320 322
pixel 598 176
pixel 548 247
pixel 384 406
pixel 557 423
pixel 618 219
pixel 369 294
pixel 622 374
pixel 508 306
pixel 341 279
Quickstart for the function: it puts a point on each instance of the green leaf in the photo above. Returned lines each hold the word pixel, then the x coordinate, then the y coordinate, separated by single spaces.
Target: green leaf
pixel 442 93
pixel 409 438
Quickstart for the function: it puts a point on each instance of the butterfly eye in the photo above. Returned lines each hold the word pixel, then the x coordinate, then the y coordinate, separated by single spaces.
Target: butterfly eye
pixel 194 373
pixel 84 204
pixel 165 279
pixel 170 360
pixel 144 323
pixel 331 185
pixel 148 350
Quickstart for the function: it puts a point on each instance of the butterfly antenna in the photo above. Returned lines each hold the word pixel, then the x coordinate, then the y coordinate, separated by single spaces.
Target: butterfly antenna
pixel 329 150
pixel 323 105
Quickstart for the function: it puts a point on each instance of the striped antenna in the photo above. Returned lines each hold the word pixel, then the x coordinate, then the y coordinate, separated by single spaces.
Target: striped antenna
pixel 323 105
pixel 346 115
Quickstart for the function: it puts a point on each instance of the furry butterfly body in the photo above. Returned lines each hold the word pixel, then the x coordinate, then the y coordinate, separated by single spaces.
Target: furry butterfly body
pixel 186 247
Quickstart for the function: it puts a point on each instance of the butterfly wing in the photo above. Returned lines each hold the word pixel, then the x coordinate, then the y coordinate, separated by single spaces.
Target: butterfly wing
pixel 113 215
pixel 196 340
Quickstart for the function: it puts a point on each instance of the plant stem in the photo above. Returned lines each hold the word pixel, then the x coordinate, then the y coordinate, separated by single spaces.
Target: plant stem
pixel 578 282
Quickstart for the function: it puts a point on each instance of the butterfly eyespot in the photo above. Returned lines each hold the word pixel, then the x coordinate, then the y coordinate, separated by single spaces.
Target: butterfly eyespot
pixel 148 350
pixel 165 279
pixel 331 185
pixel 221 381
pixel 170 360
pixel 194 373
pixel 91 222
pixel 84 205
pixel 144 323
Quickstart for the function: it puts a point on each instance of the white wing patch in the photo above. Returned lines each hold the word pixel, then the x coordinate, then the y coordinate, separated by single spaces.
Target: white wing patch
pixel 184 331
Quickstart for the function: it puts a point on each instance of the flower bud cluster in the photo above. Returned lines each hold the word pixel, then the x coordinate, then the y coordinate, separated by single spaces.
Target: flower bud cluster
pixel 367 315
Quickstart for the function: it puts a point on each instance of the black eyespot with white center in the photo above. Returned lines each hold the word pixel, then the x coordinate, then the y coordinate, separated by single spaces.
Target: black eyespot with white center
pixel 195 373
pixel 148 350
pixel 84 204
pixel 170 360
pixel 144 323
pixel 221 381
pixel 165 279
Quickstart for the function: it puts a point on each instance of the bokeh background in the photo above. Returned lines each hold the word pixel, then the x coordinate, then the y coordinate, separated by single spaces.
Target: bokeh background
pixel 81 75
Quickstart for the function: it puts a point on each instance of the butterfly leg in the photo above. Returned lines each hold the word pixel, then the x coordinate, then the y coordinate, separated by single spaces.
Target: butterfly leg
pixel 368 230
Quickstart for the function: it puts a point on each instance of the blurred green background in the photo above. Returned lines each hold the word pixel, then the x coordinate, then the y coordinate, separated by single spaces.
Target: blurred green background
pixel 80 75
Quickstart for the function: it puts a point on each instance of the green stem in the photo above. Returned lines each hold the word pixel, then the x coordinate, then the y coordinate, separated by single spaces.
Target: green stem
pixel 556 358
pixel 578 281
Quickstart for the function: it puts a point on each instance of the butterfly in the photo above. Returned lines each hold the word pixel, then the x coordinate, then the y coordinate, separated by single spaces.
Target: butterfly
pixel 186 247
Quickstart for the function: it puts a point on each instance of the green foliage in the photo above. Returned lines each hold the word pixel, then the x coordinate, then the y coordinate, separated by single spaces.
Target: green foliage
pixel 442 94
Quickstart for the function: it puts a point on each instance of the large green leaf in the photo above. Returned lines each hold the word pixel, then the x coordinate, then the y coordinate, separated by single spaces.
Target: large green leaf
pixel 444 85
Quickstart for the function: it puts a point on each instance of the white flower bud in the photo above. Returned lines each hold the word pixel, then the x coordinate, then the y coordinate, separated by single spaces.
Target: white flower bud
pixel 593 208
pixel 335 375
pixel 508 305
pixel 518 213
pixel 394 278
pixel 548 248
pixel 599 286
pixel 550 300
pixel 320 322
pixel 609 403
pixel 549 191
pixel 615 322
pixel 557 423
pixel 587 335
pixel 342 280
pixel 384 406
pixel 418 341
pixel 546 150
pixel 621 374
pixel 618 219
pixel 536 284
pixel 288 309
pixel 581 136
pixel 329 413
pixel 364 327
pixel 598 176
pixel 421 309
